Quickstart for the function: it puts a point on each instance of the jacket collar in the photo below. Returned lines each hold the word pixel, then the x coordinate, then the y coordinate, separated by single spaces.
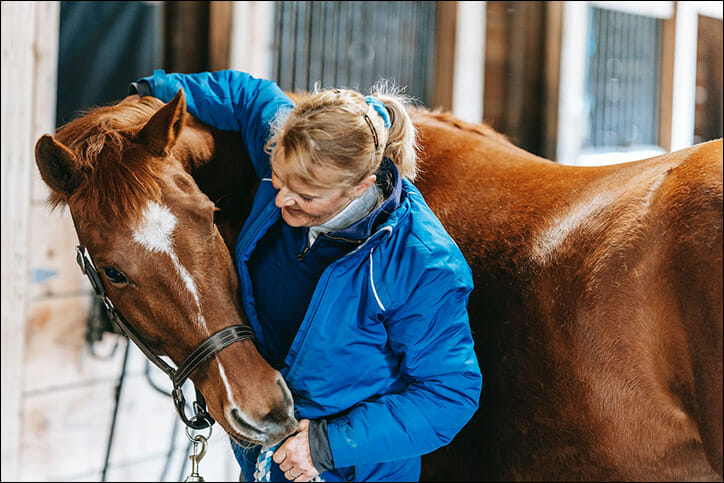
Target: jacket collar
pixel 390 182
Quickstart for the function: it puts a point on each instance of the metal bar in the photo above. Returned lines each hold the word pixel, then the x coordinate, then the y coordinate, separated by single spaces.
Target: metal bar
pixel 293 50
pixel 112 433
pixel 307 64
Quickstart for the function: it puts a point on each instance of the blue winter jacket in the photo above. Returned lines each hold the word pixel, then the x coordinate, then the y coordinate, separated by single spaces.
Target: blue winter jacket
pixel 385 352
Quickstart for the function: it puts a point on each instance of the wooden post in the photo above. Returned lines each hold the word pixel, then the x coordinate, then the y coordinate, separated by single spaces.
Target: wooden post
pixel 460 55
pixel 30 39
pixel 220 21
pixel 666 82
pixel 551 76
pixel 571 109
pixel 252 42
pixel 444 55
pixel 187 36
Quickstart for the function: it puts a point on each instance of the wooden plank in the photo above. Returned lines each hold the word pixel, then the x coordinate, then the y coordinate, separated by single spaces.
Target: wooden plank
pixel 666 80
pixel 444 77
pixel 468 78
pixel 571 111
pixel 709 111
pixel 684 89
pixel 45 48
pixel 65 431
pixel 496 85
pixel 186 26
pixel 66 436
pixel 53 269
pixel 218 464
pixel 56 354
pixel 16 148
pixel 252 45
pixel 220 18
pixel 551 75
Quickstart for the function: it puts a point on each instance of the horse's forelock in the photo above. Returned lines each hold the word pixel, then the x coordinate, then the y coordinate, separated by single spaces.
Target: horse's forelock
pixel 119 181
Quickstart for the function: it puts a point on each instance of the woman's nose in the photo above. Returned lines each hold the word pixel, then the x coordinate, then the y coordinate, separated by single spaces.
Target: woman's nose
pixel 284 198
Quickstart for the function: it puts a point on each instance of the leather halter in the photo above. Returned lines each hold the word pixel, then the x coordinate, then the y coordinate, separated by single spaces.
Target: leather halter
pixel 235 333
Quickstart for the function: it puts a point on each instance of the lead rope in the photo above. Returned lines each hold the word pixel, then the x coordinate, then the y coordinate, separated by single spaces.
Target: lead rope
pixel 262 469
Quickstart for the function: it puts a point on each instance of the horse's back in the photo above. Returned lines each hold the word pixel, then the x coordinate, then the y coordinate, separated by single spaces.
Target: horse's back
pixel 588 282
pixel 690 200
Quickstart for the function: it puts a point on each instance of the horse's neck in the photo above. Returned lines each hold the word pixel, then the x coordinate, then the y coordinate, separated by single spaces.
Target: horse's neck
pixel 221 167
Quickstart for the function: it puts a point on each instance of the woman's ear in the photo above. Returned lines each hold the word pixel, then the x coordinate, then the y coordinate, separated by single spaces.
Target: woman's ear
pixel 359 190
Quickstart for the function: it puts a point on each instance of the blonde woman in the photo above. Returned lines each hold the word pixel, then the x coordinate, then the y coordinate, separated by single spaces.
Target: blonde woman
pixel 355 291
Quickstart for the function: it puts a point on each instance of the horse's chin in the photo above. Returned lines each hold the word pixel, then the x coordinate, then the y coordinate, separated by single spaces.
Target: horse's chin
pixel 247 442
pixel 246 435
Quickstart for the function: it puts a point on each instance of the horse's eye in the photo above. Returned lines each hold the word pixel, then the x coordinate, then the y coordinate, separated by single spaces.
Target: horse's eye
pixel 114 275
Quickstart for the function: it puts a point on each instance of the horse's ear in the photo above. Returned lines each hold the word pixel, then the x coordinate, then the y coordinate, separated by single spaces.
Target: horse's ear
pixel 162 130
pixel 58 166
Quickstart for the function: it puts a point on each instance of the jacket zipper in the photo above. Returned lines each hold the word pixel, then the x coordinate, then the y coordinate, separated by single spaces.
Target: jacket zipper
pixel 298 342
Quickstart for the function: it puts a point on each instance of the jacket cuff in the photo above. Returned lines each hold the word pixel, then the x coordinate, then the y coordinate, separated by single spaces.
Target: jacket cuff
pixel 142 88
pixel 319 448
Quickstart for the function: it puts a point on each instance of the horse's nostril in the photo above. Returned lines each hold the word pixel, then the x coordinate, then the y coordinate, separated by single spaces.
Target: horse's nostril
pixel 286 394
pixel 278 417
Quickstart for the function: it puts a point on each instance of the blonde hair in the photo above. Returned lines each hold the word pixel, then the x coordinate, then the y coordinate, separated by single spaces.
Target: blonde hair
pixel 328 129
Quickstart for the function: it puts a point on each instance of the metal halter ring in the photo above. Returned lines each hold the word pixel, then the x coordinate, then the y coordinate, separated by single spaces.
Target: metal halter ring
pixel 193 437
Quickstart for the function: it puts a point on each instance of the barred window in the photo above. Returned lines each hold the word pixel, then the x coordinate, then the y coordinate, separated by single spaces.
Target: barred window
pixel 622 79
pixel 354 44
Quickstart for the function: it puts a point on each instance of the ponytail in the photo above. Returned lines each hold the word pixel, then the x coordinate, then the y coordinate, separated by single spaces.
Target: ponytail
pixel 401 145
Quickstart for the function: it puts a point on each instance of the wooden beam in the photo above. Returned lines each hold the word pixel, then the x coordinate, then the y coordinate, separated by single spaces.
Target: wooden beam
pixel 445 23
pixel 252 43
pixel 551 75
pixel 572 110
pixel 220 21
pixel 187 36
pixel 684 90
pixel 29 39
pixel 468 77
pixel 666 80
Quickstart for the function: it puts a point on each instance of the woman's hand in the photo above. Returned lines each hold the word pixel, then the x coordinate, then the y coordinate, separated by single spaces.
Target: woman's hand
pixel 294 458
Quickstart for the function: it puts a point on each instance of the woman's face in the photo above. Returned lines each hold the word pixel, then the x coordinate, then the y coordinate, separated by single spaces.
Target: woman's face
pixel 308 205
pixel 305 205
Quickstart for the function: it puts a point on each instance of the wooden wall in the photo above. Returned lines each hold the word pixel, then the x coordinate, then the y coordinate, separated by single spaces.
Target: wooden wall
pixel 520 64
pixel 57 398
pixel 709 110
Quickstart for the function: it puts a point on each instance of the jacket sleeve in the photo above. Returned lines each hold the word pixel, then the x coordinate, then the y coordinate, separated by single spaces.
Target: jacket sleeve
pixel 431 335
pixel 228 100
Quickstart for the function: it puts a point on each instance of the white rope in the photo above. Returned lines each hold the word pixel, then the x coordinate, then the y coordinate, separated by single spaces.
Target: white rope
pixel 262 469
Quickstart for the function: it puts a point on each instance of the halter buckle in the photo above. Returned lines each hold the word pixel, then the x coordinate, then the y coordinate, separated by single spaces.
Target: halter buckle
pixel 200 420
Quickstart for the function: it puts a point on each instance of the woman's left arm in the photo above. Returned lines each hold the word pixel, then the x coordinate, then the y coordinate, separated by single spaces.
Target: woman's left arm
pixel 431 334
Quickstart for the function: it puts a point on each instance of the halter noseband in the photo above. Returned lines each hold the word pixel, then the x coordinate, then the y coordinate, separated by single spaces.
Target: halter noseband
pixel 235 333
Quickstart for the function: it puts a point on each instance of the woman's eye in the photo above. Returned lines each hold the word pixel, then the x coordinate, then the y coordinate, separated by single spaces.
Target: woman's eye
pixel 114 275
pixel 307 199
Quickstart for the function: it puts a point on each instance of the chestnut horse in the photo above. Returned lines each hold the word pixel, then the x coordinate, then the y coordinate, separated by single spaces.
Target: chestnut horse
pixel 124 173
pixel 596 313
pixel 597 309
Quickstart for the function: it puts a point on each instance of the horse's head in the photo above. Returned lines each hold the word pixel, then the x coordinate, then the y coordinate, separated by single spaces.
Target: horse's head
pixel 123 172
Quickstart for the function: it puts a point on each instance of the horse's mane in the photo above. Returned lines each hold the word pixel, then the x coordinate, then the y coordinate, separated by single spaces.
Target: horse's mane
pixel 123 183
pixel 446 117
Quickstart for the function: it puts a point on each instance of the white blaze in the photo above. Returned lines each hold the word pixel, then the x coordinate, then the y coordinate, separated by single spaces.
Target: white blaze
pixel 229 394
pixel 155 230
pixel 155 233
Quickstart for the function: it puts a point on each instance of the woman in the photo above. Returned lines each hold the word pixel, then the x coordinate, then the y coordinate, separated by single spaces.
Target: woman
pixel 354 289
